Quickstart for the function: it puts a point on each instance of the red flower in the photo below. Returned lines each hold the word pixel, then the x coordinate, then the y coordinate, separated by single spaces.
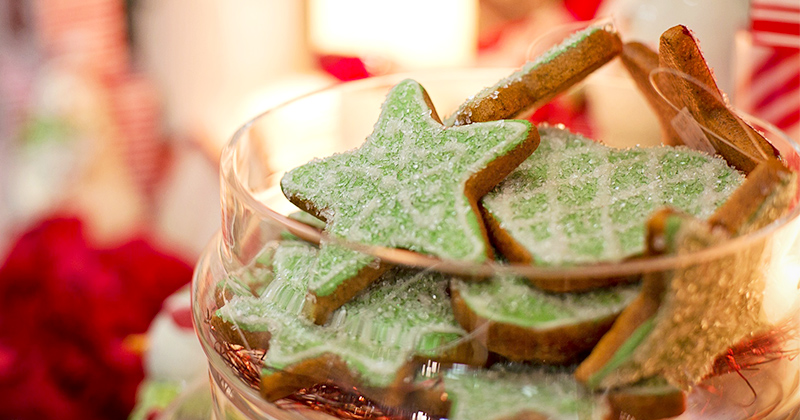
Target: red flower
pixel 65 310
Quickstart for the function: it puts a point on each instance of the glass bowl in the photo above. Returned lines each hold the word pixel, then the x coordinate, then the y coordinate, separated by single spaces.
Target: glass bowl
pixel 340 118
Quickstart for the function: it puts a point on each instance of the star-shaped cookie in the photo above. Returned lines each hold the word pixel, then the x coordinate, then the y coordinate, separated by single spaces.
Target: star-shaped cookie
pixel 682 89
pixel 414 184
pixel 378 340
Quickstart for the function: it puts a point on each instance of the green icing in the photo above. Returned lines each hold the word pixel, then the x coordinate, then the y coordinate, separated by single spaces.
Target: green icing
pixel 577 195
pixel 514 301
pixel 405 313
pixel 630 238
pixel 581 164
pixel 576 201
pixel 335 265
pixel 626 209
pixel 405 186
pixel 677 161
pixel 623 353
pixel 631 176
pixel 530 206
pixel 616 155
pixel 254 279
pixel 581 223
pixel 505 391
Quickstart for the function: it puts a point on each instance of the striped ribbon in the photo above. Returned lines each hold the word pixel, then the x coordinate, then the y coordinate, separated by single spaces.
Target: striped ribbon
pixel 775 23
pixel 93 31
pixel 773 93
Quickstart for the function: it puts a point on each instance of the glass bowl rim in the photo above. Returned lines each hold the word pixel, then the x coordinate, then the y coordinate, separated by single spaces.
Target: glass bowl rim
pixel 230 176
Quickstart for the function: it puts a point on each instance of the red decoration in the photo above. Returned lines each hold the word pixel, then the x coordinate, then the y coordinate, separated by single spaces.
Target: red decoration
pixel 344 68
pixel 570 111
pixel 582 9
pixel 66 309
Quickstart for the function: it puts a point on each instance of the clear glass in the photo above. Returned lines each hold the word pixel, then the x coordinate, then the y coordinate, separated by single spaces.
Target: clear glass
pixel 340 118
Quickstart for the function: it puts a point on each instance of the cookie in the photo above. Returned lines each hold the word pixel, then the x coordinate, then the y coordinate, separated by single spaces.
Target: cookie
pixel 249 282
pixel 651 399
pixel 540 80
pixel 741 145
pixel 575 201
pixel 373 342
pixel 766 194
pixel 641 61
pixel 685 318
pixel 517 391
pixel 522 323
pixel 339 274
pixel 307 219
pixel 414 184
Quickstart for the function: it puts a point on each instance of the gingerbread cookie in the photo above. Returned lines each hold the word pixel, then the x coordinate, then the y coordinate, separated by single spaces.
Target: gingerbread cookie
pixel 690 106
pixel 250 282
pixel 741 145
pixel 517 391
pixel 649 321
pixel 540 80
pixel 414 184
pixel 373 341
pixel 686 317
pixel 764 197
pixel 521 322
pixel 650 399
pixel 576 201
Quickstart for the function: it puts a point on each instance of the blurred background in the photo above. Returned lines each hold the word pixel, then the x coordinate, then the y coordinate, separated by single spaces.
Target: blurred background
pixel 113 114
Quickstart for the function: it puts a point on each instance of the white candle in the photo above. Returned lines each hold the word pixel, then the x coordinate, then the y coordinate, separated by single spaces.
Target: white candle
pixel 412 34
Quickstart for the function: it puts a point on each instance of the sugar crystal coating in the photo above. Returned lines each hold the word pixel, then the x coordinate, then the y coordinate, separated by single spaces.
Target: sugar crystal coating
pixel 405 187
pixel 512 300
pixel 406 313
pixel 528 67
pixel 576 201
pixel 511 391
pixel 692 328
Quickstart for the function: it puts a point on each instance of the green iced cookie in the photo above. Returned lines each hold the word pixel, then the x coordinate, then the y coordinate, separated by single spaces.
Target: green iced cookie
pixel 576 201
pixel 516 391
pixel 521 322
pixel 369 340
pixel 687 317
pixel 414 184
pixel 519 392
pixel 541 79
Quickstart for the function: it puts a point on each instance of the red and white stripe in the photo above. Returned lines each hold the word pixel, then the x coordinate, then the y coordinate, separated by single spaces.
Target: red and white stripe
pixel 92 32
pixel 774 85
pixel 137 113
pixel 775 23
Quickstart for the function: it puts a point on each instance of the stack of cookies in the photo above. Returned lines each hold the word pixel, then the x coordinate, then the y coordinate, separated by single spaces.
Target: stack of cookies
pixel 486 186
